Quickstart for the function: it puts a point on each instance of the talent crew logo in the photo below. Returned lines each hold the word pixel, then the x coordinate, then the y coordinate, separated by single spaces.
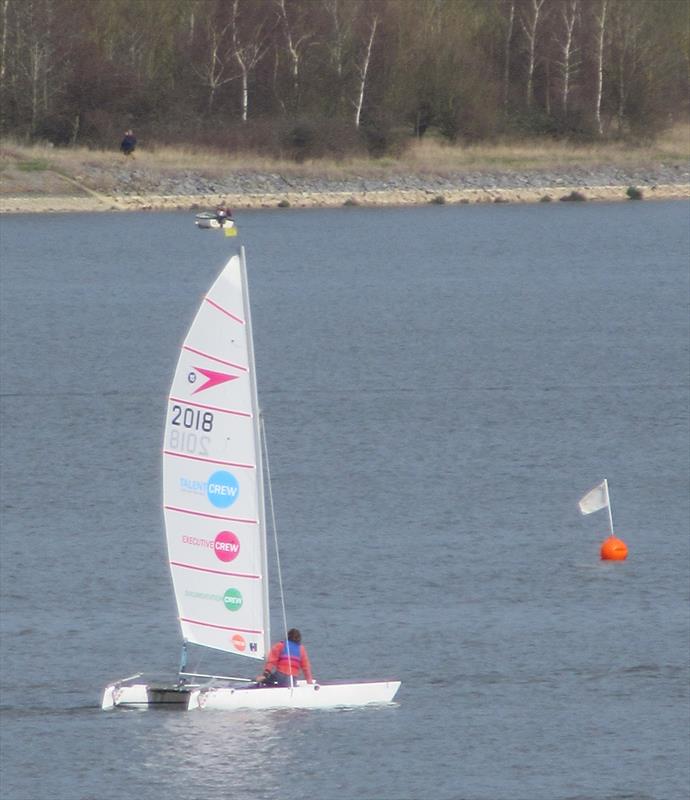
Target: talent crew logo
pixel 232 599
pixel 222 489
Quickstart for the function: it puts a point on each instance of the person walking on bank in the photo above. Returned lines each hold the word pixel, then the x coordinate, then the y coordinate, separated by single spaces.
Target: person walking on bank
pixel 285 660
pixel 128 143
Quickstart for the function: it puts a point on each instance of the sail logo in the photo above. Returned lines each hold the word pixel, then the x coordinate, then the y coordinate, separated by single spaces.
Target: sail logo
pixel 222 489
pixel 195 487
pixel 232 599
pixel 239 642
pixel 213 378
pixel 226 546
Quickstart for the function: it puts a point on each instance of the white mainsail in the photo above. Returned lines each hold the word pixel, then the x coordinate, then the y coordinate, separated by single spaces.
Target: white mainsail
pixel 213 478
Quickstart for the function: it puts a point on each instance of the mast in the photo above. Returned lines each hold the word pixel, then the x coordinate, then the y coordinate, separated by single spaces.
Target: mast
pixel 257 442
pixel 608 505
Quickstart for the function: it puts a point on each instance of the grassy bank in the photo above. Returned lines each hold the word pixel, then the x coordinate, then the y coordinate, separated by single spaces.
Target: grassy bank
pixel 44 179
pixel 426 156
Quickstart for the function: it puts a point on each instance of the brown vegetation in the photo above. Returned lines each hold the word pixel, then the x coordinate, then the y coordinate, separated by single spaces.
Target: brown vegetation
pixel 341 79
pixel 426 156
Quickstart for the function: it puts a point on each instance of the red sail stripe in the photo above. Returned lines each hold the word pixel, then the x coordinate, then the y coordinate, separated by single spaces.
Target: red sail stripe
pixel 210 516
pixel 223 310
pixel 210 408
pixel 217 571
pixel 215 358
pixel 208 460
pixel 220 627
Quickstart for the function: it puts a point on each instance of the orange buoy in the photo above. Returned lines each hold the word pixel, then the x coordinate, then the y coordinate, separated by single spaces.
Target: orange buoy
pixel 613 549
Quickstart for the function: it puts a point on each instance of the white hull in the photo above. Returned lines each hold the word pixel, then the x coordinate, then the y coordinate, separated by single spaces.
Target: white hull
pixel 302 695
pixel 206 222
pixel 142 695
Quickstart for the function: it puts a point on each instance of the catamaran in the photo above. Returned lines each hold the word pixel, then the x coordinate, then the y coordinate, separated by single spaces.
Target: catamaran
pixel 215 469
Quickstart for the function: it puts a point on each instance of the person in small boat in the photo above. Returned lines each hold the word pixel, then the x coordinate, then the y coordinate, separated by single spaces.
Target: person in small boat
pixel 285 660
pixel 223 213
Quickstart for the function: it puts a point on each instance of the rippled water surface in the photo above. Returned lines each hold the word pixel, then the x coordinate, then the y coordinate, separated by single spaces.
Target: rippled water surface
pixel 440 386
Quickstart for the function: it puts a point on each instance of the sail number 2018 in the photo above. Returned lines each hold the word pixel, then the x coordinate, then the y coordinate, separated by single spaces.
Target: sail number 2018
pixel 192 418
pixel 196 422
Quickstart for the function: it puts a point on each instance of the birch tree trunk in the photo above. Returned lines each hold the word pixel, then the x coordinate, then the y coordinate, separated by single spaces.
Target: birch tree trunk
pixel 570 12
pixel 601 28
pixel 529 26
pixel 506 63
pixel 295 46
pixel 247 54
pixel 213 71
pixel 363 71
pixel 3 43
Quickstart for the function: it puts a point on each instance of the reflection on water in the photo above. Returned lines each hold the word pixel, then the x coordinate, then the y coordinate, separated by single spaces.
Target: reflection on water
pixel 248 754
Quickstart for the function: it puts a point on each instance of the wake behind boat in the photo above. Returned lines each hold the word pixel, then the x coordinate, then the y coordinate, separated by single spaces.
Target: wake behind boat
pixel 215 520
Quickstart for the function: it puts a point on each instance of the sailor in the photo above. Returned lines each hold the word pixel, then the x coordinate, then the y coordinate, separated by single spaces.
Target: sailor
pixel 223 213
pixel 285 661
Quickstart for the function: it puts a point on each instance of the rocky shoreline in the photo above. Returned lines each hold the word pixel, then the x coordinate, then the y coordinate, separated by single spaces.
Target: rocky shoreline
pixel 135 186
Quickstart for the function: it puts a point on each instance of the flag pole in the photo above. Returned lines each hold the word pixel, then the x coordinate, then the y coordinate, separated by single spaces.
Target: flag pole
pixel 608 504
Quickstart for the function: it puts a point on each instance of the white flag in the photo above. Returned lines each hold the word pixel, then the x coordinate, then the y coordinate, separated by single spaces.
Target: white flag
pixel 595 499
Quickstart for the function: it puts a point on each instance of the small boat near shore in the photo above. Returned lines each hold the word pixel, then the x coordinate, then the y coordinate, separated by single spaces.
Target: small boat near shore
pixel 208 220
pixel 214 462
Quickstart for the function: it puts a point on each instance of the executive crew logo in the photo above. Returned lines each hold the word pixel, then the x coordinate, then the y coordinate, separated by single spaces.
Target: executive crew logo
pixel 226 546
pixel 222 489
pixel 232 599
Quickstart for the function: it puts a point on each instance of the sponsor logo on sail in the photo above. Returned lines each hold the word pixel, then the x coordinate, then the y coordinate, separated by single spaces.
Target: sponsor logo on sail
pixel 203 596
pixel 213 378
pixel 222 489
pixel 193 486
pixel 239 643
pixel 232 599
pixel 226 546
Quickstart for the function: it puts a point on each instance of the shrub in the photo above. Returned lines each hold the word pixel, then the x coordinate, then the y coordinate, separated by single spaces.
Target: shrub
pixel 35 165
pixel 634 193
pixel 574 197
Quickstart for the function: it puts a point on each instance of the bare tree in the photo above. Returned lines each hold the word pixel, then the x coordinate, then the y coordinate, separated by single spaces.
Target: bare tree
pixel 600 17
pixel 296 45
pixel 363 70
pixel 248 53
pixel 214 70
pixel 506 61
pixel 568 64
pixel 529 19
pixel 342 15
pixel 3 42
pixel 36 60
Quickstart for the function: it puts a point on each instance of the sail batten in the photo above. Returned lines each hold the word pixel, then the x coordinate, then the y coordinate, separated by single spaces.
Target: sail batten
pixel 212 477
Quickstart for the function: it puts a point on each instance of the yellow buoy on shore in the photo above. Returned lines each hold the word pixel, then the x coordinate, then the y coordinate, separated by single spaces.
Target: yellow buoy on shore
pixel 614 549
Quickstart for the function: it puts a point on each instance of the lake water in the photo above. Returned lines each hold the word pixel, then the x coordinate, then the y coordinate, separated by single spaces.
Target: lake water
pixel 440 385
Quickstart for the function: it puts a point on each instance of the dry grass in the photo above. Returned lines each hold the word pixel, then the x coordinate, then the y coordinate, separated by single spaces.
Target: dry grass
pixel 426 156
pixel 434 156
